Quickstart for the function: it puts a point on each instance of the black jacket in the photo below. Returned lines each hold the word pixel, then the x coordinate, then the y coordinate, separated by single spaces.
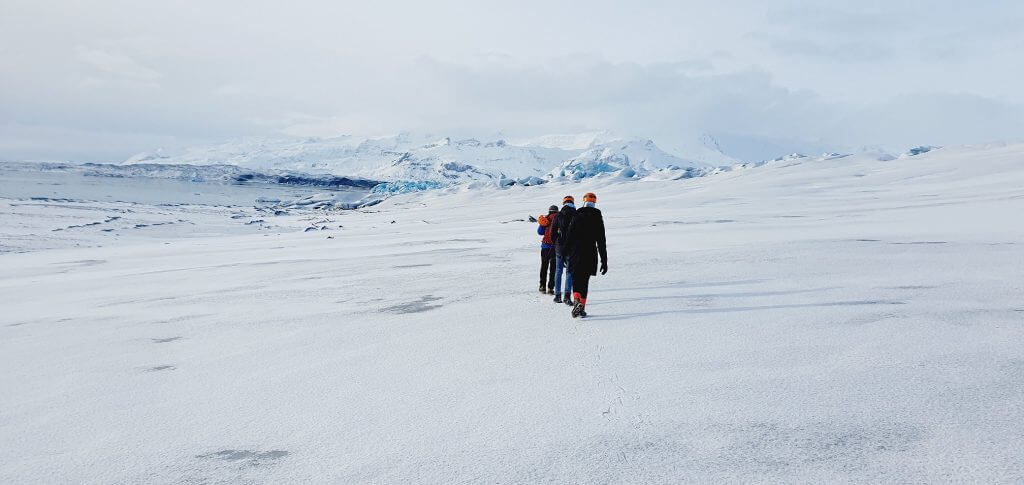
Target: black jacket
pixel 585 240
pixel 560 225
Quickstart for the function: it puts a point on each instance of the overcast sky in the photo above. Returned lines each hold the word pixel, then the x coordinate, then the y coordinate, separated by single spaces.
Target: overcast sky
pixel 102 80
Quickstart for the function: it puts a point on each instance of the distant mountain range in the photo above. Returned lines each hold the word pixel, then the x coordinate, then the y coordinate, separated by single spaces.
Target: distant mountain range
pixel 411 162
pixel 443 161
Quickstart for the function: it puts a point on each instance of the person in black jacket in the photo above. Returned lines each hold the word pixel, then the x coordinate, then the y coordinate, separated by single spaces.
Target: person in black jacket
pixel 584 242
pixel 559 226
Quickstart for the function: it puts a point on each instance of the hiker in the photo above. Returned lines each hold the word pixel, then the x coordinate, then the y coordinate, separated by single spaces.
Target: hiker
pixel 582 244
pixel 547 252
pixel 559 226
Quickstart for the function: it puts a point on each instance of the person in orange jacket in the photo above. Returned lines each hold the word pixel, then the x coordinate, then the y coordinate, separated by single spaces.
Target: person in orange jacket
pixel 547 252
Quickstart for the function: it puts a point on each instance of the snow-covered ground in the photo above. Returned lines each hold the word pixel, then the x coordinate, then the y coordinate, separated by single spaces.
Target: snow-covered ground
pixel 812 321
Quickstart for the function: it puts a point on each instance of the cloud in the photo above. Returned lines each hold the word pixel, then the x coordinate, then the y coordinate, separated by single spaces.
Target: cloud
pixel 811 73
pixel 933 119
pixel 670 102
pixel 118 66
pixel 832 51
pixel 835 19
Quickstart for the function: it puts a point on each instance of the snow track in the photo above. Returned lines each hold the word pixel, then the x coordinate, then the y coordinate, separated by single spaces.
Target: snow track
pixel 814 322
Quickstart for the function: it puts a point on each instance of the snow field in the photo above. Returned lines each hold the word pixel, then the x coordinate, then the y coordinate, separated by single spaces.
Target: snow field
pixel 815 322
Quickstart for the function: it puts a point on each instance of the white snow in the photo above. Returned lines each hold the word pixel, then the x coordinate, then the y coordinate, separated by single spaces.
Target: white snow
pixel 406 158
pixel 399 158
pixel 574 141
pixel 804 321
pixel 625 158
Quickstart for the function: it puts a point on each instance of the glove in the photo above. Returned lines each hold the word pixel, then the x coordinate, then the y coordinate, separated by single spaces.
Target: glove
pixel 604 267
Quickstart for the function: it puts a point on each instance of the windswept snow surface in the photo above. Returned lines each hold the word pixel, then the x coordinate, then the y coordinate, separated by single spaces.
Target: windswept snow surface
pixel 806 321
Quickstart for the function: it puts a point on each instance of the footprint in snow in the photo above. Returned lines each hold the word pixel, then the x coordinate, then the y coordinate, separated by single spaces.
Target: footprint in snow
pixel 246 457
pixel 417 306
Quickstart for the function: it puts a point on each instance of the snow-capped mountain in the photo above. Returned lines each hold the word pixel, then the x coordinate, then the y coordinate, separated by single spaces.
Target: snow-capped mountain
pixel 396 158
pixel 430 161
pixel 627 159
pixel 576 141
pixel 414 162
pixel 705 149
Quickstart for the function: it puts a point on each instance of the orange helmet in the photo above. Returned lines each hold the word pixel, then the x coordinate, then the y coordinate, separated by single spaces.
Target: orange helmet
pixel 590 197
pixel 568 200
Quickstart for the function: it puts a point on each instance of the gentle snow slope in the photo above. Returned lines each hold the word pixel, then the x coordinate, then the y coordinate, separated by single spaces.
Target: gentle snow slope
pixel 805 321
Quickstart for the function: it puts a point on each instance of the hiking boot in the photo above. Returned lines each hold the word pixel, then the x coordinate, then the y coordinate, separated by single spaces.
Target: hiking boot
pixel 551 291
pixel 577 310
pixel 543 289
pixel 558 298
pixel 567 299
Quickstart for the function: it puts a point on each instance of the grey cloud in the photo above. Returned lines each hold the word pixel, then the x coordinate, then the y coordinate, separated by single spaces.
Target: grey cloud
pixel 933 119
pixel 833 19
pixel 110 78
pixel 118 66
pixel 832 51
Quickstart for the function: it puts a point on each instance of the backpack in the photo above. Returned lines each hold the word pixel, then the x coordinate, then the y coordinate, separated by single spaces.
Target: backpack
pixel 545 222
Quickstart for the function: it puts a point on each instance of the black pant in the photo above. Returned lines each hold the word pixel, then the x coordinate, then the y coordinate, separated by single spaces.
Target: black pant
pixel 547 267
pixel 581 283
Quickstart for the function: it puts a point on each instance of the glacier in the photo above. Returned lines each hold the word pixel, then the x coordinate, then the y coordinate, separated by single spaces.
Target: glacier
pixel 405 162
